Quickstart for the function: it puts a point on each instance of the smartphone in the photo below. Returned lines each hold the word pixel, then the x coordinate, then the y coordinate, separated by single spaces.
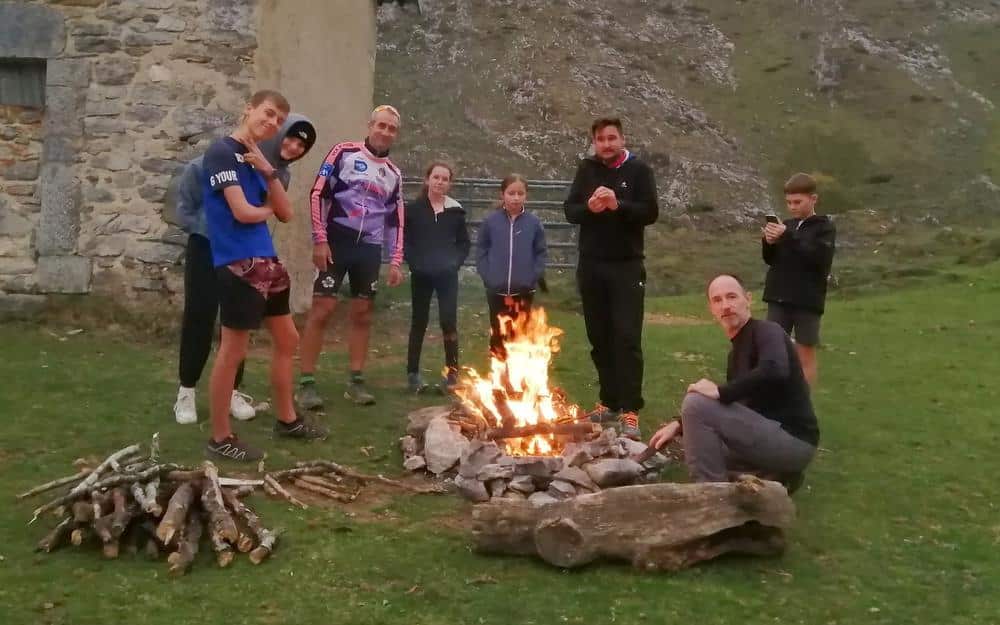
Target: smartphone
pixel 772 219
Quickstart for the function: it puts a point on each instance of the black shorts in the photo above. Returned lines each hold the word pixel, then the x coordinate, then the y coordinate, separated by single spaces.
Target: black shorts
pixel 805 323
pixel 250 290
pixel 360 262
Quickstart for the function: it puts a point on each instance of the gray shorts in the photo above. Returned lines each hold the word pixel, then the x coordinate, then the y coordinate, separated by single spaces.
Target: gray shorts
pixel 805 323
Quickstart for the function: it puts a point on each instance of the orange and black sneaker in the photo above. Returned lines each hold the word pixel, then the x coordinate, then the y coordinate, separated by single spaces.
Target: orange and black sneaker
pixel 630 425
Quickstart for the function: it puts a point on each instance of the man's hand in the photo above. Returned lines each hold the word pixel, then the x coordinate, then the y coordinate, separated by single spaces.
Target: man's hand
pixel 257 160
pixel 609 198
pixel 596 203
pixel 395 276
pixel 773 232
pixel 705 387
pixel 322 256
pixel 665 434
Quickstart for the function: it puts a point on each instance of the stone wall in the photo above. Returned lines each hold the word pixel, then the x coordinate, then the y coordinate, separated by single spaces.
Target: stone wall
pixel 134 89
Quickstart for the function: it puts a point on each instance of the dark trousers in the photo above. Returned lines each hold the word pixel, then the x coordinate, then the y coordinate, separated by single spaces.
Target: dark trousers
pixel 613 295
pixel 201 307
pixel 510 305
pixel 422 287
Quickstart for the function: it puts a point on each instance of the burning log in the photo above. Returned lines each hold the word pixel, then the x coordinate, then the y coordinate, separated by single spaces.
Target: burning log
pixel 654 526
pixel 176 513
pixel 544 428
pixel 187 545
pixel 222 527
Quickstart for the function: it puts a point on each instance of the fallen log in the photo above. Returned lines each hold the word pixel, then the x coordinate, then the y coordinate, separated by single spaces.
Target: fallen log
pixel 41 488
pixel 221 527
pixel 653 526
pixel 176 513
pixel 187 545
pixel 54 538
pixel 265 537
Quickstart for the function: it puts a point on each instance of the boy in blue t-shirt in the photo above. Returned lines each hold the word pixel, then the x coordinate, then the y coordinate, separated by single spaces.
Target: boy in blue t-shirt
pixel 241 191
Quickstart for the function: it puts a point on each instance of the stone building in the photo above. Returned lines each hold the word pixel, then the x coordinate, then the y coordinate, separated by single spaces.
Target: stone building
pixel 101 101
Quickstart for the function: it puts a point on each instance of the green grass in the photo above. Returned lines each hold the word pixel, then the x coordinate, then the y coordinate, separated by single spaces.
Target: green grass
pixel 897 522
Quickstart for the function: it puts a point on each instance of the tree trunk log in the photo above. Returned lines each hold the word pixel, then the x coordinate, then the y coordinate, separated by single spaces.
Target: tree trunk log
pixel 564 429
pixel 222 527
pixel 177 511
pixel 54 538
pixel 187 544
pixel 653 526
pixel 265 537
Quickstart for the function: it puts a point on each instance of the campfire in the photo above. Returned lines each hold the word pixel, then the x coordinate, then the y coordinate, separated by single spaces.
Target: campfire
pixel 515 398
pixel 512 436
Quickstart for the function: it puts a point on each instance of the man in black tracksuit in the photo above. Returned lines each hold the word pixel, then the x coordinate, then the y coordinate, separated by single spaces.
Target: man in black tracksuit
pixel 613 199
pixel 799 253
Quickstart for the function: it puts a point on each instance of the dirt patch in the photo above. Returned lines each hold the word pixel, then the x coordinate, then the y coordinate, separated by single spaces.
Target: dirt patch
pixel 666 319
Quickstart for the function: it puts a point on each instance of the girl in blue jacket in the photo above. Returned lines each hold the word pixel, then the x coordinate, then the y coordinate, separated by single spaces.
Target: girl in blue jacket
pixel 510 257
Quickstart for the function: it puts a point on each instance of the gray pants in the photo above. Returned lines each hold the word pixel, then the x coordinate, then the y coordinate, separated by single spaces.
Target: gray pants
pixel 730 437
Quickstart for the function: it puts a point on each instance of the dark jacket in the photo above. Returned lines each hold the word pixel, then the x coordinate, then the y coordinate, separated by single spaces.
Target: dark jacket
pixel 510 253
pixel 765 375
pixel 613 235
pixel 188 207
pixel 800 263
pixel 434 244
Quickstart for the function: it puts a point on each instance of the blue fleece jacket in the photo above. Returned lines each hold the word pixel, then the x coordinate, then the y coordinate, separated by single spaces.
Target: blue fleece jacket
pixel 510 253
pixel 190 213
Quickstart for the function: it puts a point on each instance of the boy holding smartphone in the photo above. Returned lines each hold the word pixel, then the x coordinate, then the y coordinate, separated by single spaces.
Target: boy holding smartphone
pixel 799 253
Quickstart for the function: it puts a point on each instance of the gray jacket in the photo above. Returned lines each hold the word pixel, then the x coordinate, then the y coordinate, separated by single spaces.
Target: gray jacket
pixel 510 253
pixel 191 186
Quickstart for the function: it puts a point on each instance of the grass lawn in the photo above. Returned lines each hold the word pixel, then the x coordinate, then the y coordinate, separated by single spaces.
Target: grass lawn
pixel 898 522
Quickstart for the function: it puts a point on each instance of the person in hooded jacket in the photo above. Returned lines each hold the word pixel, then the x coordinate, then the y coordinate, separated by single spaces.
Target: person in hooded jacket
pixel 435 244
pixel 201 298
pixel 510 258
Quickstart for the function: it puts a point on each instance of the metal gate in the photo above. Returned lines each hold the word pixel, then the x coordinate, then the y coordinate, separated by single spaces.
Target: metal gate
pixel 545 198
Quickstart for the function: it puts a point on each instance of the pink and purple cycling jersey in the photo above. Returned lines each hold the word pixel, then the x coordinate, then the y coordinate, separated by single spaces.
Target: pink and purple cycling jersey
pixel 360 192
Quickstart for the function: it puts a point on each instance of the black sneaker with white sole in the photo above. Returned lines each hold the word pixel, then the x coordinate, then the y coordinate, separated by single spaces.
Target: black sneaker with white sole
pixel 301 429
pixel 233 448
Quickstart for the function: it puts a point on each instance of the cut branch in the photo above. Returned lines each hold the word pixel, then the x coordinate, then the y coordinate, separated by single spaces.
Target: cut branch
pixel 54 538
pixel 280 490
pixel 69 479
pixel 177 509
pixel 187 547
pixel 565 429
pixel 222 527
pixel 265 537
pixel 89 482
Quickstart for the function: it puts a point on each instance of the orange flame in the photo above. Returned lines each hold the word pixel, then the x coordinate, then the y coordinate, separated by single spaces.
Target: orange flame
pixel 518 384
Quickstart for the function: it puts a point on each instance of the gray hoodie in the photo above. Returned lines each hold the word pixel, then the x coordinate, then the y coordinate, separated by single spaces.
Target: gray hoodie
pixel 190 187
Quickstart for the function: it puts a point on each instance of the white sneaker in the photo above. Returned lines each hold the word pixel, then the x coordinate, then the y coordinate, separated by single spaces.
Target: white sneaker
pixel 241 406
pixel 184 409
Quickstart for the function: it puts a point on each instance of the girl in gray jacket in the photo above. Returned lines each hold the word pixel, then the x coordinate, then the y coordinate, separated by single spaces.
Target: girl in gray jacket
pixel 510 258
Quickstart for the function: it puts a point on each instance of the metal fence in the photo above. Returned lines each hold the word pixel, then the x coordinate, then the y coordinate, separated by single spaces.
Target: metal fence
pixel 545 198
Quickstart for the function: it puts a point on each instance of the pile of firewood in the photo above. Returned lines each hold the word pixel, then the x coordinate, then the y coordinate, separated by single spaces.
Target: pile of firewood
pixel 134 501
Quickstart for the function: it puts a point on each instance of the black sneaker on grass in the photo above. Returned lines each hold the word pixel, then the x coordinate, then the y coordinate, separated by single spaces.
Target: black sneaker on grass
pixel 301 429
pixel 233 448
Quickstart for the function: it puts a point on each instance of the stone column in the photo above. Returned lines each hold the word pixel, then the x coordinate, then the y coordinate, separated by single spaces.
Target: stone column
pixel 321 56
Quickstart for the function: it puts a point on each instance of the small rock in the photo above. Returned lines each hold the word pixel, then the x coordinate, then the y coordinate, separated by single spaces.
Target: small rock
pixel 477 455
pixel 561 489
pixel 497 487
pixel 418 420
pixel 542 468
pixel 494 472
pixel 604 444
pixel 608 472
pixel 541 499
pixel 472 489
pixel 577 477
pixel 410 446
pixel 442 446
pixel 414 463
pixel 513 494
pixel 576 455
pixel 522 484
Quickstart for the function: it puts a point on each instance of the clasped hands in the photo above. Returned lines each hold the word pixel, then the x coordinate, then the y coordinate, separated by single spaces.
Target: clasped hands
pixel 602 199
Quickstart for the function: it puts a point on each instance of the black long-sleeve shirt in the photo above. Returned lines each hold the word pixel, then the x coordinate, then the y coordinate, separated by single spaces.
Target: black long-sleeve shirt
pixel 800 262
pixel 618 234
pixel 765 375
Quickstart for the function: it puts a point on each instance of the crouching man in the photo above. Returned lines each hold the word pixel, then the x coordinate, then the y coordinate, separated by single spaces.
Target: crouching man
pixel 761 420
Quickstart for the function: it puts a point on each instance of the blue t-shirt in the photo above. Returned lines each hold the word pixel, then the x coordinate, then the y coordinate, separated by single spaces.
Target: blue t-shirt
pixel 231 240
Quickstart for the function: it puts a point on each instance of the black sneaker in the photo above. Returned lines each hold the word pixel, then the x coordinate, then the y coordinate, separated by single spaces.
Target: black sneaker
pixel 233 448
pixel 301 429
pixel 602 414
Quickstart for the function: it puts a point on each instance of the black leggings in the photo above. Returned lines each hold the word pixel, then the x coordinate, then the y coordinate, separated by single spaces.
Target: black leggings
pixel 422 287
pixel 201 307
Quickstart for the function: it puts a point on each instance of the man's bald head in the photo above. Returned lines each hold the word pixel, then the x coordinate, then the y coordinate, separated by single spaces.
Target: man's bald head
pixel 729 302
